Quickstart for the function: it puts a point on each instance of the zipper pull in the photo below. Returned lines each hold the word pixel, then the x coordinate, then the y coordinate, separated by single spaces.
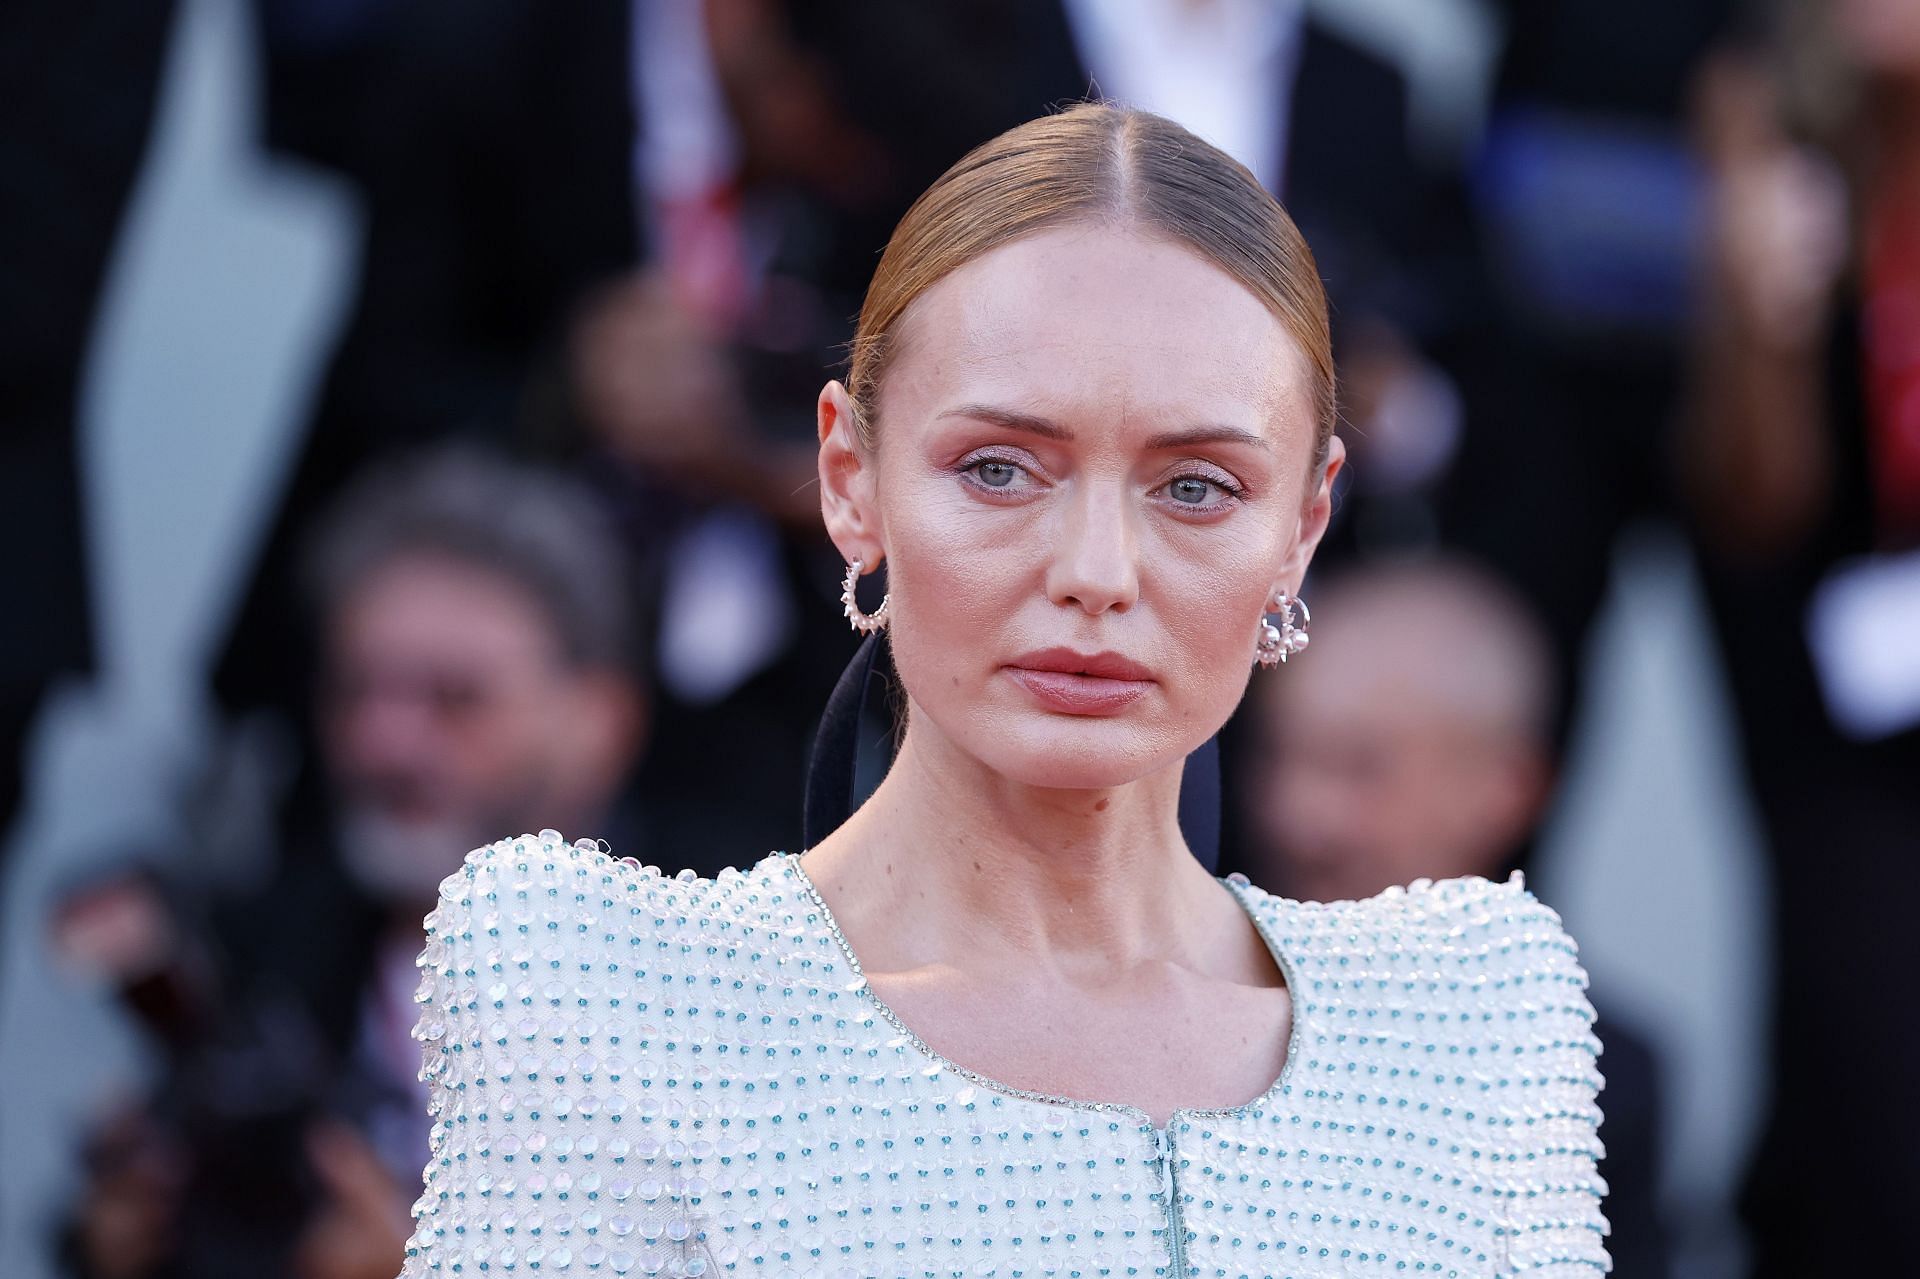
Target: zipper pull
pixel 1176 1230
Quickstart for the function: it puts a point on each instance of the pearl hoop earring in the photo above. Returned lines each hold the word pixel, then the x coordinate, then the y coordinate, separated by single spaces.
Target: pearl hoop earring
pixel 865 623
pixel 1278 643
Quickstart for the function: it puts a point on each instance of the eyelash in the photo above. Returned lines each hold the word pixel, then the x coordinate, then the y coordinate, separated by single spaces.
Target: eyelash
pixel 971 466
pixel 1231 492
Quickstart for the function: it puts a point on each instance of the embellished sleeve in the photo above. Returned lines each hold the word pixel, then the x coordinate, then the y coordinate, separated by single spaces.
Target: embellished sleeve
pixel 540 962
pixel 1550 1147
pixel 454 965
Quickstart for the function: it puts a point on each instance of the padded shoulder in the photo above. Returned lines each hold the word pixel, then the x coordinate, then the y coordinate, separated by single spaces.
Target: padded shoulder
pixel 567 1002
pixel 1473 993
pixel 1492 947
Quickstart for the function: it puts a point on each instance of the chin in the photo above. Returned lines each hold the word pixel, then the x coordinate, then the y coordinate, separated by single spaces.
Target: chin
pixel 1072 752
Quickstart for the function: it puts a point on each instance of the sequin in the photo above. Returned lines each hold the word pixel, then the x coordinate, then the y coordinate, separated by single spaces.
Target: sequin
pixel 632 1072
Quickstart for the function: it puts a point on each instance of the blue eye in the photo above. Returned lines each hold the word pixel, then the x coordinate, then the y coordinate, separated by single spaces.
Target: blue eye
pixel 1190 490
pixel 995 474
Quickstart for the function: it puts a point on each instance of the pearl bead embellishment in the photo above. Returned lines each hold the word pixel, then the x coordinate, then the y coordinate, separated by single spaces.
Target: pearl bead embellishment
pixel 636 1073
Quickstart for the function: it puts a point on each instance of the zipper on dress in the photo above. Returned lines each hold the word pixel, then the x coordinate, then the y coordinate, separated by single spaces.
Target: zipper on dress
pixel 1170 1195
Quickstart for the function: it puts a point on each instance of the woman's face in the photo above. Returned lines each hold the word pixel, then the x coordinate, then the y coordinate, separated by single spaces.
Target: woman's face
pixel 1091 478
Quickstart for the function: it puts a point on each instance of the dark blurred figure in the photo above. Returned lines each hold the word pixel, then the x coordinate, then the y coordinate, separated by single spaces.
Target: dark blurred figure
pixel 477 681
pixel 1417 743
pixel 1801 463
pixel 1587 203
pixel 81 80
pixel 846 110
pixel 748 635
pixel 491 142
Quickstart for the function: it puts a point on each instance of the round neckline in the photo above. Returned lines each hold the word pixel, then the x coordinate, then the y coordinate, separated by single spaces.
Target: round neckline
pixel 1265 1101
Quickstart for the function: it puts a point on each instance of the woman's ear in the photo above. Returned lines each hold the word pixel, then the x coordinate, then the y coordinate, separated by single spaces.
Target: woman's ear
pixel 847 480
pixel 1314 516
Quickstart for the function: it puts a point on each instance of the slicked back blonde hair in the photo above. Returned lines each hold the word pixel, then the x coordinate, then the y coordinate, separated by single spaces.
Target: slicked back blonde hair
pixel 1097 163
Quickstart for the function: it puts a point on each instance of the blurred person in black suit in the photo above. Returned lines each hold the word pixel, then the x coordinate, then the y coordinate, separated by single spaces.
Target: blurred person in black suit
pixel 1583 199
pixel 1800 463
pixel 491 143
pixel 478 673
pixel 1414 740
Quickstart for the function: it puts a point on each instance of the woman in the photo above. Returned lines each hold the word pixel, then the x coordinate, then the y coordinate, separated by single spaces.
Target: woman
pixel 1000 1021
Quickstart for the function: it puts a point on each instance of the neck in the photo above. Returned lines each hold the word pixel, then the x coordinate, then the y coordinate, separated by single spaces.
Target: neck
pixel 954 862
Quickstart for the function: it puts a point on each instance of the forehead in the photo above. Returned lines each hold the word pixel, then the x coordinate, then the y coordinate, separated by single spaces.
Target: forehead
pixel 1108 319
pixel 429 600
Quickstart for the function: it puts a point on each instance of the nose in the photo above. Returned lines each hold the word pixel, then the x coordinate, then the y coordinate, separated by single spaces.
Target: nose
pixel 1096 553
pixel 384 723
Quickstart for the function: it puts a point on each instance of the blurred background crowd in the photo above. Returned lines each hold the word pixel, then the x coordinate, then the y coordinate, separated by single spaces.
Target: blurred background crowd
pixel 405 440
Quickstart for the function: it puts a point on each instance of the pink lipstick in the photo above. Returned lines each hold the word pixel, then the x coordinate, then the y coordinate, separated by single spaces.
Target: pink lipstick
pixel 1075 683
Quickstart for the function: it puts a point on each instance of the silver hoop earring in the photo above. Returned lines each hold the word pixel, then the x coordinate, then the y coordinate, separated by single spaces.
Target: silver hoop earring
pixel 1278 643
pixel 862 622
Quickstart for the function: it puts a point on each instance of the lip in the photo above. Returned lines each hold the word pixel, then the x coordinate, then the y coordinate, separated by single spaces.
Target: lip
pixel 1068 661
pixel 1076 683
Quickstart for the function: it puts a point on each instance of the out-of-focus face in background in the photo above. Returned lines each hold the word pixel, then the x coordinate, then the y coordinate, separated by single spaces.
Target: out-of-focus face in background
pixel 1883 35
pixel 448 717
pixel 1409 741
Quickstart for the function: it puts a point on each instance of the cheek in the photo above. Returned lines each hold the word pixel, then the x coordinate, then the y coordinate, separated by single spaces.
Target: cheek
pixel 1209 595
pixel 499 740
pixel 958 571
pixel 950 587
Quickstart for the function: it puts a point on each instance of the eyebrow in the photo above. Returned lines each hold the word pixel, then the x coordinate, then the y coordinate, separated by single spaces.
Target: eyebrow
pixel 1033 424
pixel 1207 435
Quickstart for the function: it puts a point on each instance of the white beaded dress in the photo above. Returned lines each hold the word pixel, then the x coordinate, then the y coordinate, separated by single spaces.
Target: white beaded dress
pixel 639 1074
